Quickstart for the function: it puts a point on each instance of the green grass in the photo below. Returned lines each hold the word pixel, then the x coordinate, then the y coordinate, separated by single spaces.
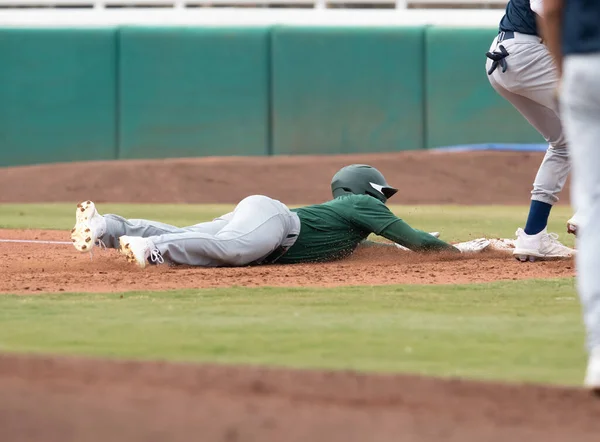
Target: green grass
pixel 454 222
pixel 518 331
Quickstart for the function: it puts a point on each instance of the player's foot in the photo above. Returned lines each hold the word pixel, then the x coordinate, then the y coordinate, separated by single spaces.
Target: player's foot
pixel 139 250
pixel 89 226
pixel 592 375
pixel 541 246
pixel 573 225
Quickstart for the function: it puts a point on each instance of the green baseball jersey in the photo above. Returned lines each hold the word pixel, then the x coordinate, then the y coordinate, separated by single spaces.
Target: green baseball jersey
pixel 334 229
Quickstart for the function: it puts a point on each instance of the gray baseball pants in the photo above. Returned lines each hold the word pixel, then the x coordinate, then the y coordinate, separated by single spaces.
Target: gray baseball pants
pixel 529 84
pixel 258 227
pixel 580 104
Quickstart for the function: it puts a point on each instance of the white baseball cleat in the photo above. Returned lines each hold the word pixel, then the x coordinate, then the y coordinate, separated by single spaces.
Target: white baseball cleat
pixel 573 225
pixel 139 250
pixel 592 375
pixel 540 246
pixel 89 226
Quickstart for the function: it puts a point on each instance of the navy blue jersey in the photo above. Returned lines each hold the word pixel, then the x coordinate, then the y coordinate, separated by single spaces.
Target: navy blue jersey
pixel 581 27
pixel 519 18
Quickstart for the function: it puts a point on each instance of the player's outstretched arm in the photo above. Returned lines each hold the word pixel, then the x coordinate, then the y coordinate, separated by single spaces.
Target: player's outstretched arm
pixel 369 243
pixel 413 239
pixel 370 214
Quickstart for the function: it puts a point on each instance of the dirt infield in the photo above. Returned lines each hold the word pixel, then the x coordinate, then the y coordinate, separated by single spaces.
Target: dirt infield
pixel 31 268
pixel 422 177
pixel 60 400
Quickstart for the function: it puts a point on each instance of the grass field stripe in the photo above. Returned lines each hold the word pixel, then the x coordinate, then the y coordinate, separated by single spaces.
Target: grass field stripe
pixel 31 241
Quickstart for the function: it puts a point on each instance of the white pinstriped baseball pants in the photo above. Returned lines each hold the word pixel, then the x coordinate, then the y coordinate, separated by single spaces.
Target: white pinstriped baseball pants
pixel 257 227
pixel 529 84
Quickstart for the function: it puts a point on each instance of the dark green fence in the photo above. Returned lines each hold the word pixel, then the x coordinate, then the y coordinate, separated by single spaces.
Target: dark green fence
pixel 462 107
pixel 342 90
pixel 135 92
pixel 193 92
pixel 58 95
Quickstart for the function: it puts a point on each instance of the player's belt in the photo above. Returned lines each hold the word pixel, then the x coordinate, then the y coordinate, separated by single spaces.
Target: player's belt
pixel 505 35
pixel 279 251
pixel 519 36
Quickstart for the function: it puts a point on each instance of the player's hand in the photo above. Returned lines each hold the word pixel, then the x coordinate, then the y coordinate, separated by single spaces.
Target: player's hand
pixel 473 246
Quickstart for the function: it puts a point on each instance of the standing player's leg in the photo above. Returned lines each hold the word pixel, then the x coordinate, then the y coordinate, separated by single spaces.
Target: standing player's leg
pixel 90 227
pixel 581 107
pixel 534 241
pixel 258 227
pixel 529 84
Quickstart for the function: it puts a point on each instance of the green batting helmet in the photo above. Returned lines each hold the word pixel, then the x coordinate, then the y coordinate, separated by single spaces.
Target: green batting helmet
pixel 361 179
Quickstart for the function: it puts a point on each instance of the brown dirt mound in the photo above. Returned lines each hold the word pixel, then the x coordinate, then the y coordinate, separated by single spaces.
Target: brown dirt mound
pixel 422 177
pixel 67 399
pixel 31 268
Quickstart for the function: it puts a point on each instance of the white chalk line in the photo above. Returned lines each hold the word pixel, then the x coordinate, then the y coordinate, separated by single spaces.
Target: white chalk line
pixel 32 241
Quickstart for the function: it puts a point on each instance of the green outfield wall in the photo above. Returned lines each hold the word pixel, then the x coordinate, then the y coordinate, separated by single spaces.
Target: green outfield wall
pixel 462 107
pixel 135 92
pixel 193 91
pixel 58 95
pixel 343 90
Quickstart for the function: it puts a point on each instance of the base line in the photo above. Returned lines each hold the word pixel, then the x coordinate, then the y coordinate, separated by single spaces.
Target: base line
pixel 31 241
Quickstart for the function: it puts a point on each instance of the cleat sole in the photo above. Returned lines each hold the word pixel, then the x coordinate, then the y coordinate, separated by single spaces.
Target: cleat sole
pixel 80 233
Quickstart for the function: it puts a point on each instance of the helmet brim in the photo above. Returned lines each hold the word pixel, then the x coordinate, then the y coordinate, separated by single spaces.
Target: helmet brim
pixel 389 192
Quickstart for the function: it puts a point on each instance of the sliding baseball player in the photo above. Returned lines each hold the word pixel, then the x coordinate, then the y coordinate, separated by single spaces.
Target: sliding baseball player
pixel 262 230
